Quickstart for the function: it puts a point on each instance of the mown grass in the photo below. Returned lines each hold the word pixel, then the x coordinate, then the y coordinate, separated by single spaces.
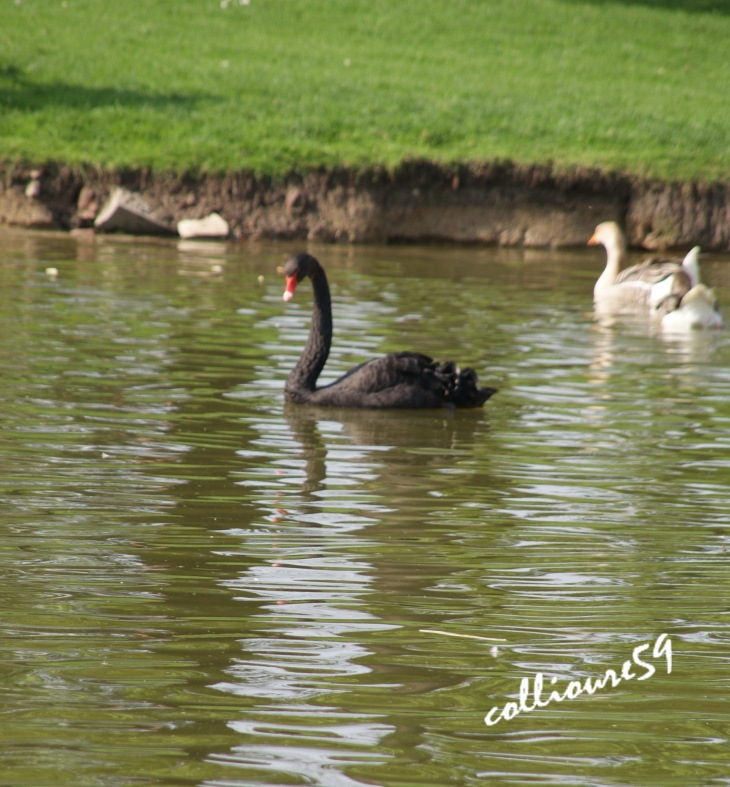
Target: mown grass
pixel 277 84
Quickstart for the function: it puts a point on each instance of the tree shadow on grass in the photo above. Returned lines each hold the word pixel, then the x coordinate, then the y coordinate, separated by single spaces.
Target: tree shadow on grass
pixel 20 93
pixel 689 6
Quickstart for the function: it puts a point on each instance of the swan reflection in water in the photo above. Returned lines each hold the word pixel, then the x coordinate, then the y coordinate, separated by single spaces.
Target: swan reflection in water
pixel 344 482
pixel 424 434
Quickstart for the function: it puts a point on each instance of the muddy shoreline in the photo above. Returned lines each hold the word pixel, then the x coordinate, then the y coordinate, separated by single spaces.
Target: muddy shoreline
pixel 492 203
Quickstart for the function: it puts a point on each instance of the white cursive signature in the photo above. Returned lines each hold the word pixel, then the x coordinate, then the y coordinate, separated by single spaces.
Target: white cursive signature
pixel 662 647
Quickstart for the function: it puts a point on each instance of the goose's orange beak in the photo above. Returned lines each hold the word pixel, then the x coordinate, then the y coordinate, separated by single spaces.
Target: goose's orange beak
pixel 593 241
pixel 291 285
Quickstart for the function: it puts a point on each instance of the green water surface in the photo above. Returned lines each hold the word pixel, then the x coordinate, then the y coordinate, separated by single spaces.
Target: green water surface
pixel 203 586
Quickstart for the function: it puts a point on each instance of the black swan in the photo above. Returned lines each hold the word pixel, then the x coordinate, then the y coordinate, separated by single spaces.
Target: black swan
pixel 401 379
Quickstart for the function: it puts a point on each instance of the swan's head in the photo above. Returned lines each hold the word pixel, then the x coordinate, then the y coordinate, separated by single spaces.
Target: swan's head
pixel 609 235
pixel 299 267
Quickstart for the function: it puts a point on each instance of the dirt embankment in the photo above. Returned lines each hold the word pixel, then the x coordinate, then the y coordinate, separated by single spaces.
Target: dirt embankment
pixel 498 203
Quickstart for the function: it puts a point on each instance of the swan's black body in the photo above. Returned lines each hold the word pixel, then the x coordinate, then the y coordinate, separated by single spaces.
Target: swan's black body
pixel 401 379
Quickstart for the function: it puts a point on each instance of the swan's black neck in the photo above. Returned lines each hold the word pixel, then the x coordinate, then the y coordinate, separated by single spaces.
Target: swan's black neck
pixel 303 378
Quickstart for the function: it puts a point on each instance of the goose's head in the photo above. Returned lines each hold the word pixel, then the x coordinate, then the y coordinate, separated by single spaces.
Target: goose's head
pixel 697 309
pixel 666 305
pixel 700 294
pixel 609 235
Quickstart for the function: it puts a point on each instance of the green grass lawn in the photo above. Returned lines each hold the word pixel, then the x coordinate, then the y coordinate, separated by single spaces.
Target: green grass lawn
pixel 278 84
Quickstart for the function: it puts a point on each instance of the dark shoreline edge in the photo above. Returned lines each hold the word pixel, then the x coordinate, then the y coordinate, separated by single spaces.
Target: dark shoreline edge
pixel 489 203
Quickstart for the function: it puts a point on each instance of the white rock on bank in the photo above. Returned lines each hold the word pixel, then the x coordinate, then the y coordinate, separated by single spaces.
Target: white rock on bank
pixel 33 189
pixel 212 226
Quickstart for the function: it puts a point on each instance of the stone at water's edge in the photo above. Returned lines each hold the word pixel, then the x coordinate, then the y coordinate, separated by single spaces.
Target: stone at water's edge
pixel 130 213
pixel 212 226
pixel 20 210
pixel 493 203
pixel 33 189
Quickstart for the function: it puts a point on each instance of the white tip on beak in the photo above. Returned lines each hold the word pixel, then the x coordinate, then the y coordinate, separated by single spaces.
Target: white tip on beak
pixel 287 296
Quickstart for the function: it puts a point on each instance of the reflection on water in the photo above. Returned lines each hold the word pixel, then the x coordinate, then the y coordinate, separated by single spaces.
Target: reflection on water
pixel 204 586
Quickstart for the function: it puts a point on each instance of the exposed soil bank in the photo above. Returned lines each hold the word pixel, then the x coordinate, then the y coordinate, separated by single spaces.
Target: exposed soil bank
pixel 498 203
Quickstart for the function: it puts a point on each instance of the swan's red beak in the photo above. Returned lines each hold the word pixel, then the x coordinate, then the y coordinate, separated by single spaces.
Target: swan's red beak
pixel 593 241
pixel 291 285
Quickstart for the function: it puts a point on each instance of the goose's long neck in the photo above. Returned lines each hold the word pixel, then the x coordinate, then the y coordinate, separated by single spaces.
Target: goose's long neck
pixel 303 377
pixel 615 256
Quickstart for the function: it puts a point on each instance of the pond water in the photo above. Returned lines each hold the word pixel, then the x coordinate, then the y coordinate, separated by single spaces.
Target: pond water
pixel 202 586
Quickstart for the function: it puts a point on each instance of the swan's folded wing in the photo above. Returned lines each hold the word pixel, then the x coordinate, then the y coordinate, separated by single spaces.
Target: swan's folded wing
pixel 445 382
pixel 391 370
pixel 404 379
pixel 395 380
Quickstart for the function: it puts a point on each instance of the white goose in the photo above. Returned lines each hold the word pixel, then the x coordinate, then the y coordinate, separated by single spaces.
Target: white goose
pixel 647 283
pixel 682 312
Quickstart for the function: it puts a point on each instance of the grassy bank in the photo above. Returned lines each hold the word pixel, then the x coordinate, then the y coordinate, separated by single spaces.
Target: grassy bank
pixel 276 84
